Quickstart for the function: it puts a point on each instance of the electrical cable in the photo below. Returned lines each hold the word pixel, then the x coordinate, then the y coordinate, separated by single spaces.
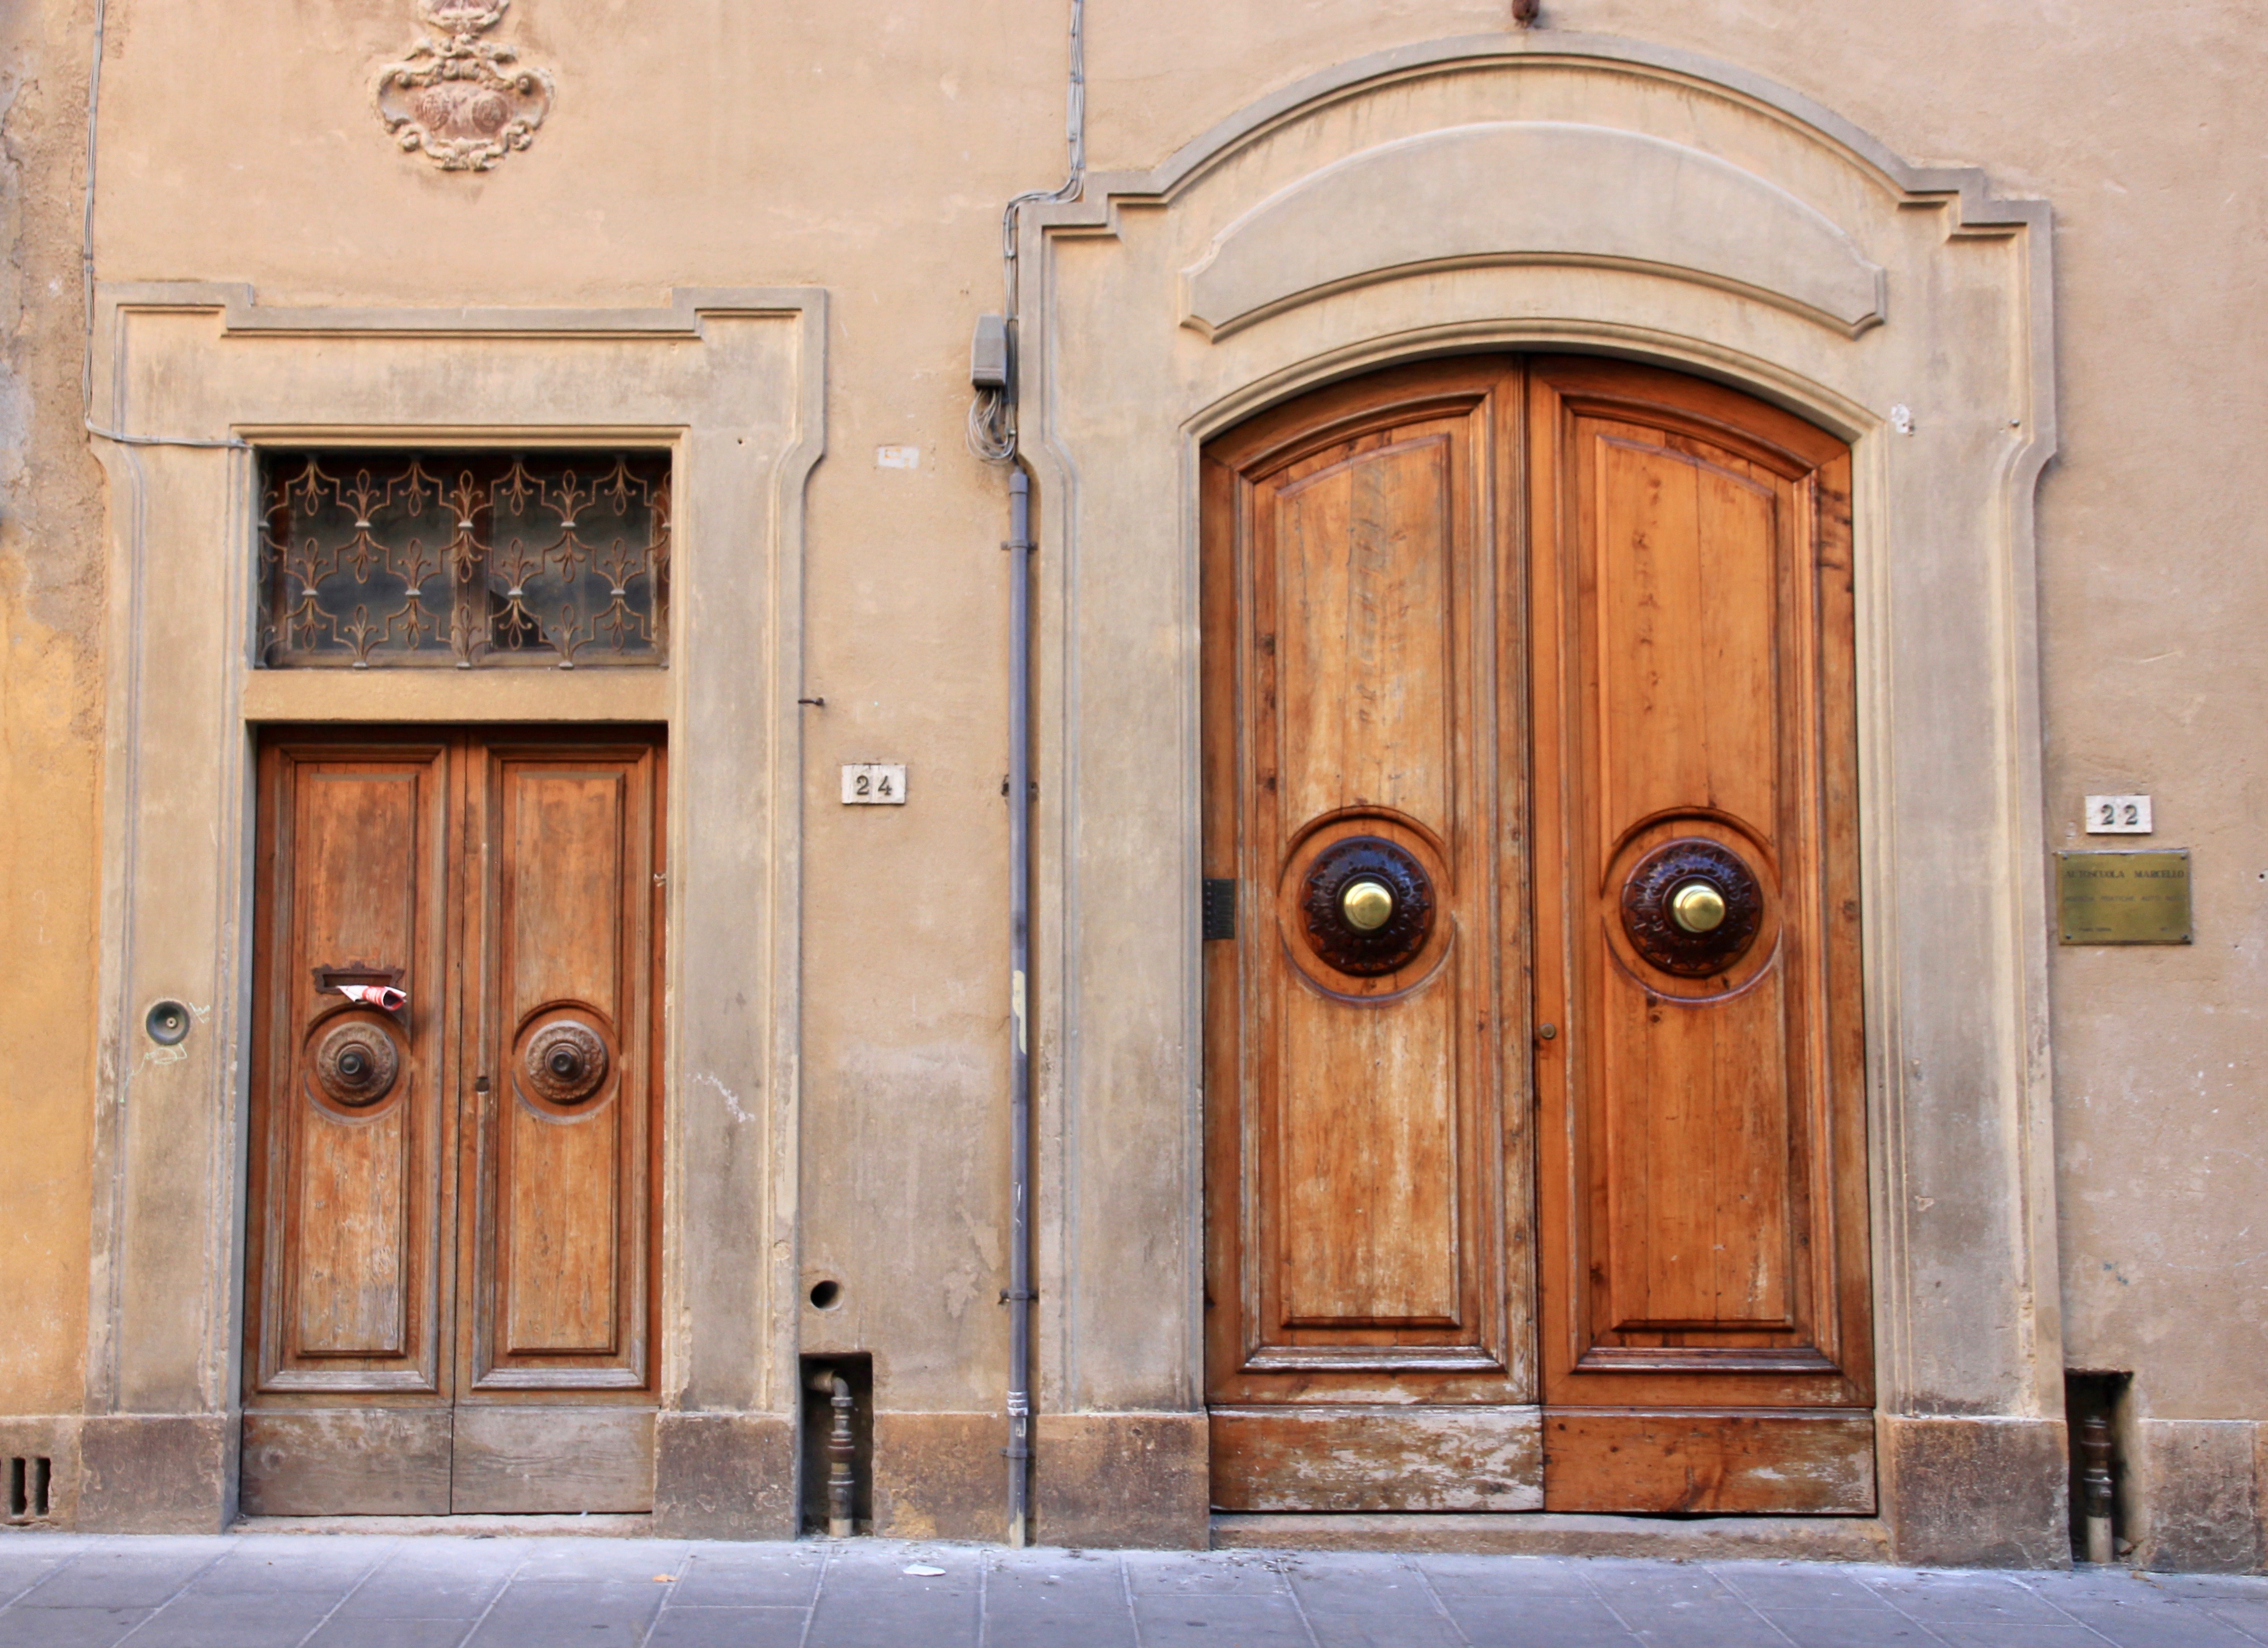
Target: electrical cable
pixel 992 412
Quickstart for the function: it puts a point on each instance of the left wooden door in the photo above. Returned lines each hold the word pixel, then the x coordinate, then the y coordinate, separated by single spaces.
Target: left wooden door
pixel 450 1232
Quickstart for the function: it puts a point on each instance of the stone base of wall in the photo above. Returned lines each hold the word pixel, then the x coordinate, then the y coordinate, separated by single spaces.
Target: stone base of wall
pixel 157 1473
pixel 1132 1479
pixel 1956 1492
pixel 1099 1480
pixel 55 1438
pixel 2190 1497
pixel 1975 1492
pixel 729 1475
pixel 940 1475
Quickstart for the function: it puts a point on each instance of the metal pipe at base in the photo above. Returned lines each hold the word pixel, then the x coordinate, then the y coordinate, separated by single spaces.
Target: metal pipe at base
pixel 2097 1487
pixel 841 1464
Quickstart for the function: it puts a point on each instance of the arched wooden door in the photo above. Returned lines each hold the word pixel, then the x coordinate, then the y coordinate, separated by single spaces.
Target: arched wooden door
pixel 1535 1148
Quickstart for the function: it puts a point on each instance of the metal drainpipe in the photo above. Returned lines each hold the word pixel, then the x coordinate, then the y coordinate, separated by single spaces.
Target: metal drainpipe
pixel 1020 1294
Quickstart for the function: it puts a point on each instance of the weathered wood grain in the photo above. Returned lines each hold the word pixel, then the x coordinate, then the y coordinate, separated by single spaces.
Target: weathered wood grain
pixel 1292 1458
pixel 346 1461
pixel 522 1461
pixel 1788 1462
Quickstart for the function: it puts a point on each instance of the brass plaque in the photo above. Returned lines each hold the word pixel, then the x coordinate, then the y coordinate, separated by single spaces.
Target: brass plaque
pixel 2110 898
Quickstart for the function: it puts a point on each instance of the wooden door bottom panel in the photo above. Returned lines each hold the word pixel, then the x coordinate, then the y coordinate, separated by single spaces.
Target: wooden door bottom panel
pixel 1436 1458
pixel 527 1460
pixel 346 1461
pixel 1815 1463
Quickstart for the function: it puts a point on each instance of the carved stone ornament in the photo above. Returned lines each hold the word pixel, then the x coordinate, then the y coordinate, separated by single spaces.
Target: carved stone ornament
pixel 1350 923
pixel 565 1062
pixel 462 100
pixel 355 1063
pixel 1692 908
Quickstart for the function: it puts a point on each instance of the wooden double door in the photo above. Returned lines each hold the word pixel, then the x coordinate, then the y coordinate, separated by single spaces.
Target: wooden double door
pixel 1536 1134
pixel 449 1299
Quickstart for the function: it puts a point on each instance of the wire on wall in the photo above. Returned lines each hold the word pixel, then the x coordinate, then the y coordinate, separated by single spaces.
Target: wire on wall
pixel 992 412
pixel 86 274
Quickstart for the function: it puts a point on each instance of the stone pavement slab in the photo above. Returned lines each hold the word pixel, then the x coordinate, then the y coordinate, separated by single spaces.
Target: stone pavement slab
pixel 256 1589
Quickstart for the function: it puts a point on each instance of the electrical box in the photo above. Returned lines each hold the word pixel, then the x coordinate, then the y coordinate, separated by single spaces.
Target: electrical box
pixel 988 353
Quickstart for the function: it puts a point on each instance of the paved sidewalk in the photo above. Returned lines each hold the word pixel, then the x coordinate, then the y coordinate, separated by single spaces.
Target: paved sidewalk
pixel 363 1591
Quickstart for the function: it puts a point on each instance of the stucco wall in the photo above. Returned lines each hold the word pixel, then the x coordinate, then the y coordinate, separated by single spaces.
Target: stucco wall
pixel 51 517
pixel 867 150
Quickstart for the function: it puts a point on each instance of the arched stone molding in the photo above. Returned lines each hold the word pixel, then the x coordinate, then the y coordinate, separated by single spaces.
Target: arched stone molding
pixel 1906 308
pixel 1411 206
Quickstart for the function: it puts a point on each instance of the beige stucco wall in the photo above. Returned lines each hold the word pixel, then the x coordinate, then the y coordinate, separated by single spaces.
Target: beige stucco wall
pixel 867 150
pixel 51 618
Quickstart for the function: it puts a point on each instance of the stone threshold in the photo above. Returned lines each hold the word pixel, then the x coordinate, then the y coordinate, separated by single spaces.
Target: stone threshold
pixel 1547 1534
pixel 607 1525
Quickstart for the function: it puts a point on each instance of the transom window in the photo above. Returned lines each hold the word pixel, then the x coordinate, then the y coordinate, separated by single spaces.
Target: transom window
pixel 473 559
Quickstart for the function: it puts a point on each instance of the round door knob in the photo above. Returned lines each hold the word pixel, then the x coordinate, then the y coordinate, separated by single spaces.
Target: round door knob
pixel 1692 907
pixel 1366 904
pixel 565 1061
pixel 1698 906
pixel 355 1063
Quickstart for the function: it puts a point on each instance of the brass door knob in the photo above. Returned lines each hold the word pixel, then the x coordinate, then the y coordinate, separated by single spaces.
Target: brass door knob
pixel 1366 904
pixel 1692 907
pixel 1698 906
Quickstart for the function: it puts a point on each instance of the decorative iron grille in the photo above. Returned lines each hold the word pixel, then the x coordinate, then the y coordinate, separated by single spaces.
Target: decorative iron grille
pixel 382 558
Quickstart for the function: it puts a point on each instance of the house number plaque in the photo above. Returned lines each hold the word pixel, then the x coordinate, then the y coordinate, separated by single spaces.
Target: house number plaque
pixel 2120 898
pixel 875 783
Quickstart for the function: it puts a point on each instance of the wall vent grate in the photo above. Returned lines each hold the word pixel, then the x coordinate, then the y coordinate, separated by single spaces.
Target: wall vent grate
pixel 31 1481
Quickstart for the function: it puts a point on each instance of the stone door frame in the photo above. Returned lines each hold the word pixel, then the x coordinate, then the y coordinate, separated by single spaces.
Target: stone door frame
pixel 197 376
pixel 1618 198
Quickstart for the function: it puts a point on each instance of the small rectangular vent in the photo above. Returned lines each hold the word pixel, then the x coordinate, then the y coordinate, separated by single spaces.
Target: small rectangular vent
pixel 1219 907
pixel 30 1483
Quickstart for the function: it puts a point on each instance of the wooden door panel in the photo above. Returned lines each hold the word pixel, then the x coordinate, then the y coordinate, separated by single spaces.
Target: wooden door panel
pixel 560 1252
pixel 1360 1158
pixel 1701 1188
pixel 346 1461
pixel 1686 562
pixel 1368 1232
pixel 1694 1138
pixel 1433 1458
pixel 346 1207
pixel 1803 1462
pixel 1360 538
pixel 529 1460
pixel 1362 1138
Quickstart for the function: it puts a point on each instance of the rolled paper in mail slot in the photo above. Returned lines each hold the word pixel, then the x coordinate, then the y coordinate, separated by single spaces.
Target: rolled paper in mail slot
pixel 383 995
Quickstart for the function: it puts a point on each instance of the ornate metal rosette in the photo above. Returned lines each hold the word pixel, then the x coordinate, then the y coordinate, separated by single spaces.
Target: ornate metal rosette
pixel 1339 898
pixel 565 1062
pixel 1672 886
pixel 356 1064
